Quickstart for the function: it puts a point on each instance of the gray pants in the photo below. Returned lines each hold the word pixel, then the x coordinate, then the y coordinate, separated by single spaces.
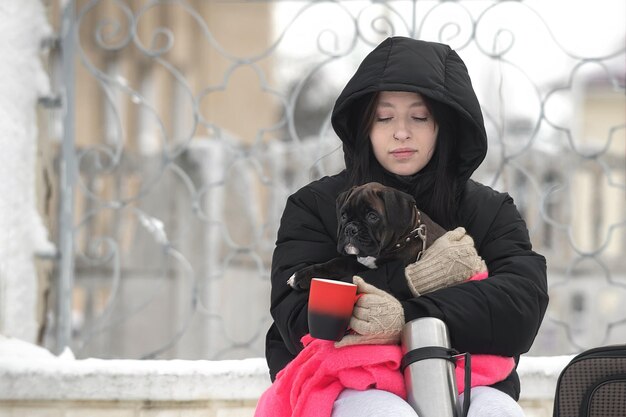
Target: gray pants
pixel 486 402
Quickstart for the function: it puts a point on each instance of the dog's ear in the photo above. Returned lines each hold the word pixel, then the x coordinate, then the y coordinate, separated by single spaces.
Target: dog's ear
pixel 339 203
pixel 342 198
pixel 402 206
pixel 399 208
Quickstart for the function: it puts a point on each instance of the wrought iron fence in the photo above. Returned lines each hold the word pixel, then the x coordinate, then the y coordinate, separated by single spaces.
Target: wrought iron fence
pixel 188 123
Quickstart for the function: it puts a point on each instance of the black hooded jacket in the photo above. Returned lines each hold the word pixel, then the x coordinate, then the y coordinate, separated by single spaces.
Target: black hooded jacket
pixel 500 315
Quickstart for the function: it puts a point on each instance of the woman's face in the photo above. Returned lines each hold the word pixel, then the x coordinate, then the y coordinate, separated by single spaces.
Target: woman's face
pixel 404 132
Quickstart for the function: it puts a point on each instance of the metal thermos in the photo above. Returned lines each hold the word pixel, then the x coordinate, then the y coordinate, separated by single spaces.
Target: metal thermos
pixel 430 382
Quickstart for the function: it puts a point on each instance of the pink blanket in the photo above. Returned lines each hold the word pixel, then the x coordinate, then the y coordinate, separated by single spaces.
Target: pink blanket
pixel 309 385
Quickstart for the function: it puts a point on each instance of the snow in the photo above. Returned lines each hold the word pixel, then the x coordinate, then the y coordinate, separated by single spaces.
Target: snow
pixel 16 349
pixel 23 80
pixel 539 375
pixel 29 372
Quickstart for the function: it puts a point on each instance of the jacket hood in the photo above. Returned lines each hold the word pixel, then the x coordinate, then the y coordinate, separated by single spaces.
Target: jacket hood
pixel 431 69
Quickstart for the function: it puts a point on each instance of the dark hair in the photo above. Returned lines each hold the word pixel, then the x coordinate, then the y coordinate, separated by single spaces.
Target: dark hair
pixel 435 187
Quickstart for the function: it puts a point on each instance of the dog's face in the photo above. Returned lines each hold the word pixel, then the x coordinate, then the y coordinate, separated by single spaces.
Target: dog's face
pixel 372 219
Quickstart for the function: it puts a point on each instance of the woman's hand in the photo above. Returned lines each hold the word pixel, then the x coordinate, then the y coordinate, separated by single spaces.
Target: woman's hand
pixel 377 318
pixel 451 259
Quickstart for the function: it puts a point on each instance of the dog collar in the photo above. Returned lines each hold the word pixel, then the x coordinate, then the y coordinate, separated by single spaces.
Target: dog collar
pixel 418 233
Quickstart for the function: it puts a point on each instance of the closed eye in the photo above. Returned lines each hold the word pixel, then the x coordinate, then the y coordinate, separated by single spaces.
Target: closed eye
pixel 420 119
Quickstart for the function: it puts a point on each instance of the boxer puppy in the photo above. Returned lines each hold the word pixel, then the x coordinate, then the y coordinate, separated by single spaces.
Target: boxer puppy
pixel 376 224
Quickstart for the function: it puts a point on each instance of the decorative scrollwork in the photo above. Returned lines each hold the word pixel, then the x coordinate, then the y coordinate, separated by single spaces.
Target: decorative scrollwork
pixel 174 200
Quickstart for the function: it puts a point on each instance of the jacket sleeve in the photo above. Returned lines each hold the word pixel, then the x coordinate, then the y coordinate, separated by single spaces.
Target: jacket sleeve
pixel 301 241
pixel 502 314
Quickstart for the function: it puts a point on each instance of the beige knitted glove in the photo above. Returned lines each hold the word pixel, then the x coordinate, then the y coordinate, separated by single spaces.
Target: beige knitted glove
pixel 377 317
pixel 451 259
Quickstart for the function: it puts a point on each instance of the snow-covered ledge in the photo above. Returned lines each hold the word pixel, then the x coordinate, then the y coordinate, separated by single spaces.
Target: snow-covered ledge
pixel 33 378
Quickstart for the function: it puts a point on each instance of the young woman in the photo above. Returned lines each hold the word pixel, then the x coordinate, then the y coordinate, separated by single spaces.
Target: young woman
pixel 409 118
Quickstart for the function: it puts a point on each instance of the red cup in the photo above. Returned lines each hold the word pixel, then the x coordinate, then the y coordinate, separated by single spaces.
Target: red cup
pixel 330 308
